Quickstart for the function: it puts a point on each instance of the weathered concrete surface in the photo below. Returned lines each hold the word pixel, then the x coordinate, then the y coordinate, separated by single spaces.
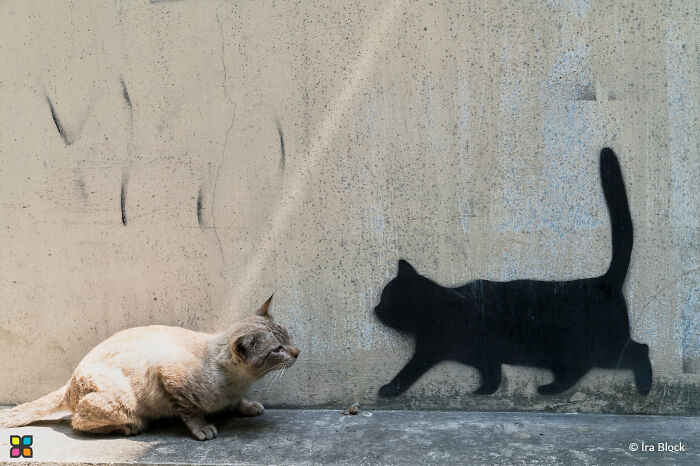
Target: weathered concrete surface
pixel 386 437
pixel 462 136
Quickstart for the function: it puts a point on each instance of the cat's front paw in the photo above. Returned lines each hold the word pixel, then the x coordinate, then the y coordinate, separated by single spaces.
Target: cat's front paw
pixel 253 408
pixel 131 429
pixel 390 390
pixel 206 432
pixel 248 408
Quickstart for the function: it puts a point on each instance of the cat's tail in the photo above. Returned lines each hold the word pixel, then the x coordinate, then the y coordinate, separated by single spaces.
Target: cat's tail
pixel 620 218
pixel 27 413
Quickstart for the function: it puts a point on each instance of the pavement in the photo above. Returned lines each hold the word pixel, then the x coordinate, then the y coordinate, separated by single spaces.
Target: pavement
pixel 382 437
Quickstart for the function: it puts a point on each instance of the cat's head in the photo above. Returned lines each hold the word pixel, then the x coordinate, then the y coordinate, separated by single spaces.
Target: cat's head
pixel 261 345
pixel 408 300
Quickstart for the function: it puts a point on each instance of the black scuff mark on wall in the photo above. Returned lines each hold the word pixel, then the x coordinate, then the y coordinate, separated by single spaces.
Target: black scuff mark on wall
pixel 283 154
pixel 122 197
pixel 200 208
pixel 68 140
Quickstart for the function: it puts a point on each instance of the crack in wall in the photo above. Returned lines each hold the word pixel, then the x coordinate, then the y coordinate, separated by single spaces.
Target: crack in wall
pixel 226 138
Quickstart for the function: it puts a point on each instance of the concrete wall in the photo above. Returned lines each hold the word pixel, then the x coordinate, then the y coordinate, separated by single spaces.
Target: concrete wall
pixel 462 136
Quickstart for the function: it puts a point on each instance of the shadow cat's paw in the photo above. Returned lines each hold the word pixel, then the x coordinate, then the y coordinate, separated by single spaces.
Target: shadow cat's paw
pixel 643 378
pixel 485 390
pixel 644 391
pixel 553 388
pixel 390 390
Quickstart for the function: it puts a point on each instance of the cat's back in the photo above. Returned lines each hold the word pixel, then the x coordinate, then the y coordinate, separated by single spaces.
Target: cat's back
pixel 149 345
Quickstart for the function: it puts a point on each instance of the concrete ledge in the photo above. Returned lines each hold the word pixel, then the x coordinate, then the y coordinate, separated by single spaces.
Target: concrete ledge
pixel 386 437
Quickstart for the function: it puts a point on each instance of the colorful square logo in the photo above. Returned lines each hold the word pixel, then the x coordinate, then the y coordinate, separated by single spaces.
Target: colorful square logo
pixel 21 446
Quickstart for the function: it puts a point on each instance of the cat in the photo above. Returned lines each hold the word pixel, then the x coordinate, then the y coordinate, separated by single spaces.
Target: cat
pixel 568 327
pixel 144 373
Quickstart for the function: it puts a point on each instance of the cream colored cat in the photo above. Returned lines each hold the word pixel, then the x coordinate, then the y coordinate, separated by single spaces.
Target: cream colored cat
pixel 145 373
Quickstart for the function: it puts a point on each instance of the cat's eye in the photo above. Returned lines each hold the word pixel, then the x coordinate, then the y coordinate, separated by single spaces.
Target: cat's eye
pixel 278 349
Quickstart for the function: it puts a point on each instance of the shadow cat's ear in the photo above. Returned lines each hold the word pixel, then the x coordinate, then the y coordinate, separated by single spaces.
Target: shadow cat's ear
pixel 264 309
pixel 405 267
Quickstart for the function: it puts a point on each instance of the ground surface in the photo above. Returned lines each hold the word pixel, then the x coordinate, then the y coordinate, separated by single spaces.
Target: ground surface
pixel 383 437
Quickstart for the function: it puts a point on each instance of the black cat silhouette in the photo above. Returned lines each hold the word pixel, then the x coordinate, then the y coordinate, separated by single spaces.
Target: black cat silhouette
pixel 568 327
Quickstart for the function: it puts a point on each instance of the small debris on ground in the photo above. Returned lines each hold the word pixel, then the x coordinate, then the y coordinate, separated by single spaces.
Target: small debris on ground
pixel 353 409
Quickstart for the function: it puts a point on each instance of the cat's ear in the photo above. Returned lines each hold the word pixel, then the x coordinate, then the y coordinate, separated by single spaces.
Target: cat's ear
pixel 264 310
pixel 243 346
pixel 405 267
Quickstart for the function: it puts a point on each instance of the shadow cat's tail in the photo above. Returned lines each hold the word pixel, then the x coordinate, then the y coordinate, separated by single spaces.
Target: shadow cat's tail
pixel 620 218
pixel 27 413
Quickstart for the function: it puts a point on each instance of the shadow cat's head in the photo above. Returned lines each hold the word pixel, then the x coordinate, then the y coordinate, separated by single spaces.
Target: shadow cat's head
pixel 407 300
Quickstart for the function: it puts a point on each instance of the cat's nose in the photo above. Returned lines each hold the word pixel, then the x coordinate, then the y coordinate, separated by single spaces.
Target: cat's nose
pixel 294 351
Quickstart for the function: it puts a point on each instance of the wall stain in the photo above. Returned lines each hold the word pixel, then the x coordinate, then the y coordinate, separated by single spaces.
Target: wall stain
pixel 586 93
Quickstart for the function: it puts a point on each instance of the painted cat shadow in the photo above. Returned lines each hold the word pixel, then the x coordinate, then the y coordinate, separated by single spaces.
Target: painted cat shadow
pixel 568 327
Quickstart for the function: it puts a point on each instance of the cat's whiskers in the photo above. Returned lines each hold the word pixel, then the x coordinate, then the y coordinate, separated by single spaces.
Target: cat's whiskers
pixel 271 382
pixel 276 369
pixel 278 377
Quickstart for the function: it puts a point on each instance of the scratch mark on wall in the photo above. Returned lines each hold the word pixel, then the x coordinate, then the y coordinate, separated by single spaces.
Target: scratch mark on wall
pixel 223 55
pixel 213 192
pixel 127 99
pixel 375 220
pixel 59 126
pixel 122 197
pixel 80 183
pixel 283 155
pixel 200 199
pixel 125 93
pixel 226 137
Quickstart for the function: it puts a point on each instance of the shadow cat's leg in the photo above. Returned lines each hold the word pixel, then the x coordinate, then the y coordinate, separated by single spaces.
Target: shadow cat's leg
pixel 248 408
pixel 412 371
pixel 636 357
pixel 104 413
pixel 490 379
pixel 564 379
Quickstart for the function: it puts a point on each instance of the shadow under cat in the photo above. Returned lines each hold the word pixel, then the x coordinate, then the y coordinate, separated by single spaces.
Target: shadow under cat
pixel 568 327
